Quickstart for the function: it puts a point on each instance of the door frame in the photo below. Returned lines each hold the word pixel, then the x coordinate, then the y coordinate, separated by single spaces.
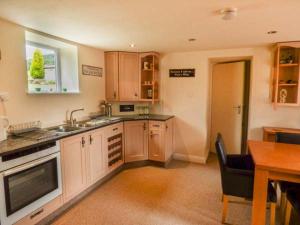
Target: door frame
pixel 246 98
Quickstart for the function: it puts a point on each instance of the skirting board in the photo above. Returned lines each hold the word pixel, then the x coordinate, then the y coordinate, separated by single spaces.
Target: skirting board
pixel 189 158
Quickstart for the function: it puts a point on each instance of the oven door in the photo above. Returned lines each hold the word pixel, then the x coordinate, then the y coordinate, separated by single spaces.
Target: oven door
pixel 26 188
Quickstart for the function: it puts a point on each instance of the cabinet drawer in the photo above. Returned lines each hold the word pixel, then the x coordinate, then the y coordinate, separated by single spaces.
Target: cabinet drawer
pixel 114 129
pixel 41 213
pixel 156 125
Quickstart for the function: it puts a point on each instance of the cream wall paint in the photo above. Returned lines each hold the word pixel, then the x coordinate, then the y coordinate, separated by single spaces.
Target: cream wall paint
pixel 189 98
pixel 50 109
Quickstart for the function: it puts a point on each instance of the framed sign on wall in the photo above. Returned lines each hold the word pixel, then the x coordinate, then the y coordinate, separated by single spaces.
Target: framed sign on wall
pixel 182 73
pixel 92 71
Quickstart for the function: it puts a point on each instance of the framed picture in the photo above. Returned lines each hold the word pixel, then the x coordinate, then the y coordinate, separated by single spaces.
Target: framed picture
pixel 182 73
pixel 92 70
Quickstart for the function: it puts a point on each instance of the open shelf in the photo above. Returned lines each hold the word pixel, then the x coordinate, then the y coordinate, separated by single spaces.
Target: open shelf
pixel 286 75
pixel 149 77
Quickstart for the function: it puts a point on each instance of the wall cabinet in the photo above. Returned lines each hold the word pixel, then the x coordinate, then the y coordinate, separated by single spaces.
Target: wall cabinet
pixel 128 76
pixel 286 75
pixel 136 140
pixel 122 76
pixel 160 140
pixel 112 76
pixel 132 76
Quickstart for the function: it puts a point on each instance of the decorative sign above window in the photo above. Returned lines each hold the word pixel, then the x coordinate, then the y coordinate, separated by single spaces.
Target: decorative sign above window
pixel 92 71
pixel 182 72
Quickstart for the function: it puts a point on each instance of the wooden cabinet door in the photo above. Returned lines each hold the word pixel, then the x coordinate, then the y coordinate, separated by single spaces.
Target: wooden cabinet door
pixel 156 142
pixel 73 166
pixel 95 157
pixel 136 140
pixel 169 130
pixel 128 76
pixel 112 76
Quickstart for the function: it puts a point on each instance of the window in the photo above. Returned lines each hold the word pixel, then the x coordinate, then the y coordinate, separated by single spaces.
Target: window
pixel 52 65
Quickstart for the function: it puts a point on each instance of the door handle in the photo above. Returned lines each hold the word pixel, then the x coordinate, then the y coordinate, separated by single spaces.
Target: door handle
pixel 239 108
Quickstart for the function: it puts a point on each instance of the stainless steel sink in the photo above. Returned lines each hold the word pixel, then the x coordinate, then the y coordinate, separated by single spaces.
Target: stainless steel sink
pixel 65 128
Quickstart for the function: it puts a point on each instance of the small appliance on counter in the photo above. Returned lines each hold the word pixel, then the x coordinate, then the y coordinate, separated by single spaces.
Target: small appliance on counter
pixel 3 127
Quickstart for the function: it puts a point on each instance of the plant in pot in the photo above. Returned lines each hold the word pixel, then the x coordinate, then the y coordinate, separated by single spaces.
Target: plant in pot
pixel 36 69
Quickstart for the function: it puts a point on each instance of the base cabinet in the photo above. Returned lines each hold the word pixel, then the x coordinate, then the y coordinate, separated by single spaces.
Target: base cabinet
pixel 136 140
pixel 160 140
pixel 73 159
pixel 83 161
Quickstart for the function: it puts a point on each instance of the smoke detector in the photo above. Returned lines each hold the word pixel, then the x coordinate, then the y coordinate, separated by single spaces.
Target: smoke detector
pixel 228 13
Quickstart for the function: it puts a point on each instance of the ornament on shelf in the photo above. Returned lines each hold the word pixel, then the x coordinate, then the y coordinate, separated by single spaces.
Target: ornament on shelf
pixel 282 96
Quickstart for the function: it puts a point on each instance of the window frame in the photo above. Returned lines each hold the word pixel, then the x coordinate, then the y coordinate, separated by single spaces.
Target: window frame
pixel 57 65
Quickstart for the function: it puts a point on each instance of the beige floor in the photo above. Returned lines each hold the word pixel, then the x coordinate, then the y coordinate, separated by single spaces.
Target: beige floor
pixel 182 194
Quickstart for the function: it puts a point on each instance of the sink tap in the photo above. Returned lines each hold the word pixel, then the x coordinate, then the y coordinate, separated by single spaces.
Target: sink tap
pixel 71 121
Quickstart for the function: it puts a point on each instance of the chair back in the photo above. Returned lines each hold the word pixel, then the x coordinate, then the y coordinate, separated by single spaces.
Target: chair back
pixel 221 151
pixel 288 138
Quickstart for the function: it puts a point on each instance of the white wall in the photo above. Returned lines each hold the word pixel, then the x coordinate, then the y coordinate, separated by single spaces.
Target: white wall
pixel 50 109
pixel 189 98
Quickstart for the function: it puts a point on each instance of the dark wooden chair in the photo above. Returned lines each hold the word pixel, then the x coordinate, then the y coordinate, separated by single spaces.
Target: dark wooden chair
pixel 237 176
pixel 285 186
pixel 293 201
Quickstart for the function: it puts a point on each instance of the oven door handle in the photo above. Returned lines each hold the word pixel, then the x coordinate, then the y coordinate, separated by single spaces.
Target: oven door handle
pixel 29 165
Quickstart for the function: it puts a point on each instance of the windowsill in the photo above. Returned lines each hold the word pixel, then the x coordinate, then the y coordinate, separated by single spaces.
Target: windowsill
pixel 53 93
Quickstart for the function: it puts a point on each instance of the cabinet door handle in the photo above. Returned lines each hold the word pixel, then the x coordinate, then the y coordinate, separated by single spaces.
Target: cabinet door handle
pixel 144 126
pixel 135 94
pixel 36 213
pixel 167 127
pixel 91 139
pixel 115 95
pixel 82 142
pixel 115 129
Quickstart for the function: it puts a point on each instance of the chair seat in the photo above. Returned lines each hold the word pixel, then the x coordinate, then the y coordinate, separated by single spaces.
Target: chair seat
pixel 293 196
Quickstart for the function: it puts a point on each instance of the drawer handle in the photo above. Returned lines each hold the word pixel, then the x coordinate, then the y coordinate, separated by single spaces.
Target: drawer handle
pixel 83 142
pixel 156 125
pixel 115 129
pixel 36 213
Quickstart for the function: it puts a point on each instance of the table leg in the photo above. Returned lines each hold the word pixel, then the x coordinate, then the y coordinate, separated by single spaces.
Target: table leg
pixel 260 197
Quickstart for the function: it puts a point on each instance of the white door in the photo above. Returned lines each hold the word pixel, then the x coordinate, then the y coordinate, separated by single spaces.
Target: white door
pixel 227 104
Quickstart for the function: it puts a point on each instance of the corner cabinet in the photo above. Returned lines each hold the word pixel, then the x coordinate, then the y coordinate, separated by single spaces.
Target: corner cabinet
pixel 161 140
pixel 132 76
pixel 286 74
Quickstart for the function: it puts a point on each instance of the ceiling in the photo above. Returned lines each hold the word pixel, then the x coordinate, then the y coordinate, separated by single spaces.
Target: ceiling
pixel 159 25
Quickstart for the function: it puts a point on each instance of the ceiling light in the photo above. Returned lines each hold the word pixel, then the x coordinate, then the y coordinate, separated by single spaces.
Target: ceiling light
pixel 132 45
pixel 228 13
pixel 272 32
pixel 191 39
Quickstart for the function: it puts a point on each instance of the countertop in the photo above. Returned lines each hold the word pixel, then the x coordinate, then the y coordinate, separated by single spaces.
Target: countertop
pixel 17 144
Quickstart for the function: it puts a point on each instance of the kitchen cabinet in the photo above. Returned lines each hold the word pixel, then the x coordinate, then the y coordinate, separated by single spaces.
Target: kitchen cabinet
pixel 122 76
pixel 73 158
pixel 96 152
pixel 112 76
pixel 128 76
pixel 136 140
pixel 160 140
pixel 83 161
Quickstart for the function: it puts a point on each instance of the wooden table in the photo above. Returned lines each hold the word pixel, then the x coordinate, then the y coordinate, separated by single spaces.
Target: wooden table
pixel 275 161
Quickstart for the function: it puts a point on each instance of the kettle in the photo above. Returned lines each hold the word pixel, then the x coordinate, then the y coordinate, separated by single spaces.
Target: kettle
pixel 3 126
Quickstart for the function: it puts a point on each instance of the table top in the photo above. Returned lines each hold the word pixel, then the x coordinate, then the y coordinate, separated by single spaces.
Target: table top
pixel 276 156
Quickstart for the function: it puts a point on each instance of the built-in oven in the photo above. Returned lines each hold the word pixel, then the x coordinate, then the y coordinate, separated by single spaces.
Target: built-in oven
pixel 28 180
